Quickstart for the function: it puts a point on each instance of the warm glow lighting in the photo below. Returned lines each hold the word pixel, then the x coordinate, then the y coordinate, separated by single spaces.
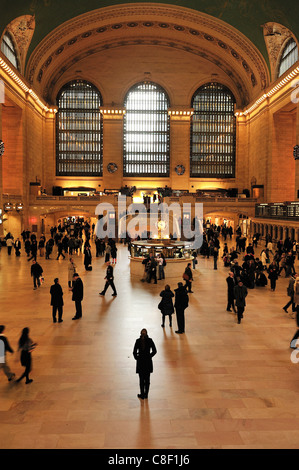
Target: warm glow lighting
pixel 271 92
pixel 22 85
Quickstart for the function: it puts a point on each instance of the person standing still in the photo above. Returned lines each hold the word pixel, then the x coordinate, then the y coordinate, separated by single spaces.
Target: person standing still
pixel 143 352
pixel 71 272
pixel 181 303
pixel 230 292
pixel 56 300
pixel 77 296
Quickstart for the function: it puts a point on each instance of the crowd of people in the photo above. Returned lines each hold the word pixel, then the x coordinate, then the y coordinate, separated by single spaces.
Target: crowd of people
pixel 250 265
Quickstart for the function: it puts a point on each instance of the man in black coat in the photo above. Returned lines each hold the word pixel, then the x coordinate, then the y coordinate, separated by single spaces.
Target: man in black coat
pixel 109 280
pixel 181 303
pixel 143 352
pixel 77 295
pixel 56 300
pixel 36 272
pixel 230 292
pixel 240 294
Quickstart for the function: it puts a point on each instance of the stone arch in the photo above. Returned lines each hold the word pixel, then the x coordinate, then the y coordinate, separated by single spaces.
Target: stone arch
pixel 154 25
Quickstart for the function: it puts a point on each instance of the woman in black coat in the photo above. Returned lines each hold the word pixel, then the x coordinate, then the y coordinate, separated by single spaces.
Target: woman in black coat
pixel 143 352
pixel 26 345
pixel 166 305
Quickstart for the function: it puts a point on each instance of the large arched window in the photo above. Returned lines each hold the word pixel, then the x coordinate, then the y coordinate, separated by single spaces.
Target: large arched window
pixel 146 131
pixel 9 50
pixel 289 57
pixel 79 130
pixel 213 133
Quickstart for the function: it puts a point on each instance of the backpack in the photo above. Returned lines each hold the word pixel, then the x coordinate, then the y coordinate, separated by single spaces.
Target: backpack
pixel 164 262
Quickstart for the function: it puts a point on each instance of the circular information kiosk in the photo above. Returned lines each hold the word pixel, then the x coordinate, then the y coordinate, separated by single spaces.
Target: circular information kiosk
pixel 177 254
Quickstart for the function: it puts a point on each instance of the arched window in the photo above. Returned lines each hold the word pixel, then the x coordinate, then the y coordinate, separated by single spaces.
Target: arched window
pixel 79 130
pixel 289 57
pixel 8 49
pixel 146 131
pixel 213 133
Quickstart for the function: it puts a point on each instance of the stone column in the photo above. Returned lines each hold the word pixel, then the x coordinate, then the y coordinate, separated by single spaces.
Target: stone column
pixel 180 147
pixel 112 147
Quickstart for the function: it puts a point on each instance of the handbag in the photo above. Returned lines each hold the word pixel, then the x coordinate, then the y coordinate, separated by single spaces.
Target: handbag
pixel 160 305
pixel 186 277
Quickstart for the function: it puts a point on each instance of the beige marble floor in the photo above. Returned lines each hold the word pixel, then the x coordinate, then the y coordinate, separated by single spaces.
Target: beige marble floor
pixel 219 386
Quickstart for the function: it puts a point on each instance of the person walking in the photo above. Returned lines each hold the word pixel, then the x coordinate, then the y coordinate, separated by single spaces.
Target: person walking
pixel 166 305
pixel 60 249
pixel 26 346
pixel 240 294
pixel 56 300
pixel 5 347
pixel 9 244
pixel 181 303
pixel 290 292
pixel 33 249
pixel 143 352
pixel 188 278
pixel 273 274
pixel 36 272
pixel 77 296
pixel 293 343
pixel 17 247
pixel 230 280
pixel 109 280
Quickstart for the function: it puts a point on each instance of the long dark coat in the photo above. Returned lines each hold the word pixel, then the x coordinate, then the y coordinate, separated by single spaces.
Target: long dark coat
pixel 166 305
pixel 181 298
pixel 143 352
pixel 78 290
pixel 56 295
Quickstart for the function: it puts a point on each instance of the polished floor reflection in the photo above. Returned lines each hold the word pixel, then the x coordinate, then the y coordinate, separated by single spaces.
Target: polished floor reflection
pixel 221 385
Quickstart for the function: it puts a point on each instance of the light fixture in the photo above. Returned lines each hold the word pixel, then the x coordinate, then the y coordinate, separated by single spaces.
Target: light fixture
pixel 1 148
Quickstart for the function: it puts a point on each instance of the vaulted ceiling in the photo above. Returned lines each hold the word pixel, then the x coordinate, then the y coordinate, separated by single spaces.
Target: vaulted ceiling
pixel 247 16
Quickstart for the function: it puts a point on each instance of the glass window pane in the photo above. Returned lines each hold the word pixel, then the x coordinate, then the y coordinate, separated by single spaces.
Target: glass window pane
pixel 289 57
pixel 79 130
pixel 213 133
pixel 8 49
pixel 146 131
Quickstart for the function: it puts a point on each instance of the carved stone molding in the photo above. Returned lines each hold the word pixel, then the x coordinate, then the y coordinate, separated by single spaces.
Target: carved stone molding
pixel 173 24
pixel 22 29
pixel 275 36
